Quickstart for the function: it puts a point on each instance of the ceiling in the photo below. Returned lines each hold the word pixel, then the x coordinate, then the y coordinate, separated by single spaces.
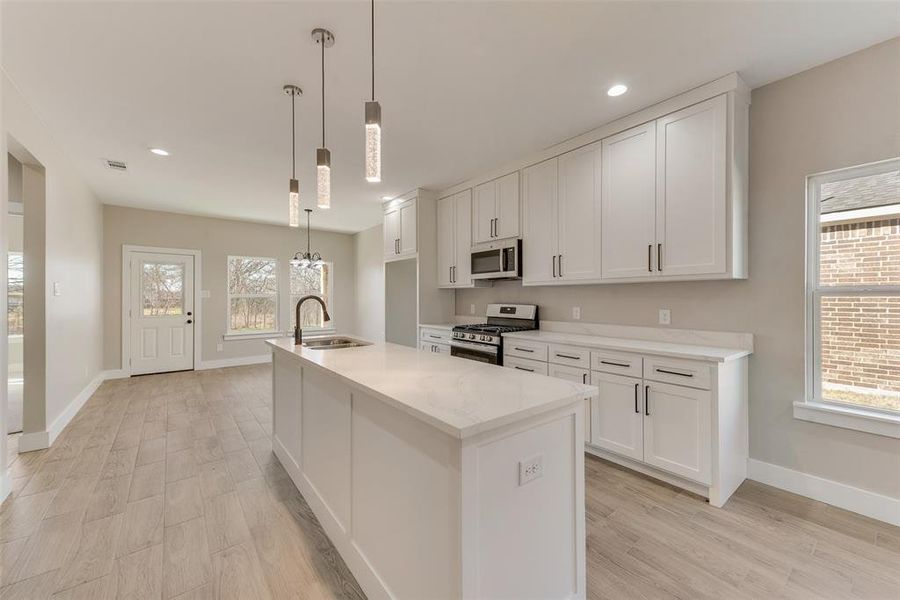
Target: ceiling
pixel 464 86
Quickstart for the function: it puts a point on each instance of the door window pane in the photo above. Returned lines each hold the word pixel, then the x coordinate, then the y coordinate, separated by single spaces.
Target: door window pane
pixel 860 350
pixel 252 315
pixel 162 289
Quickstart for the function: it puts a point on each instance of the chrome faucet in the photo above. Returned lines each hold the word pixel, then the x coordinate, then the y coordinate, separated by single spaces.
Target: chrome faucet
pixel 298 332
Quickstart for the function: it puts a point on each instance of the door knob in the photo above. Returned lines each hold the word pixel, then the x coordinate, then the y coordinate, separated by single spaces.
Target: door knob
pixel 190 321
pixel 189 313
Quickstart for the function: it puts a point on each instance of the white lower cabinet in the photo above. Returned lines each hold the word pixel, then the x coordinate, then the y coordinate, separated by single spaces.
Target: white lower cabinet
pixel 677 430
pixel 617 415
pixel 436 348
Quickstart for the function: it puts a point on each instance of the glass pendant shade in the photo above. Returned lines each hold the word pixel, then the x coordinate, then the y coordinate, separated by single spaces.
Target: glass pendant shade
pixel 373 142
pixel 323 178
pixel 294 204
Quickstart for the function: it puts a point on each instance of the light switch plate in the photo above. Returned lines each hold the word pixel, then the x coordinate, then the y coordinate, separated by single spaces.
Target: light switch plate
pixel 204 293
pixel 56 289
pixel 665 316
pixel 576 312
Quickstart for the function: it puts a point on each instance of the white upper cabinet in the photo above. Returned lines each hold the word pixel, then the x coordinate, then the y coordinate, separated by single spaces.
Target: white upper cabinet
pixel 540 185
pixel 691 189
pixel 400 230
pixel 629 205
pixel 578 215
pixel 454 240
pixel 496 209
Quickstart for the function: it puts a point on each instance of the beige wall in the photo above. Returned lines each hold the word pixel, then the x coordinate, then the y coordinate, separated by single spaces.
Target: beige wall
pixel 73 231
pixel 836 115
pixel 368 246
pixel 216 239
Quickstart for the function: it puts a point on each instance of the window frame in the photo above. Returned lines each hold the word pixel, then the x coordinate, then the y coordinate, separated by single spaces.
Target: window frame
pixel 291 310
pixel 814 407
pixel 229 332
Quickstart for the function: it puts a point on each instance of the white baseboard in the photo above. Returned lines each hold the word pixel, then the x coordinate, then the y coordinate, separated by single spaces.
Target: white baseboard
pixel 36 440
pixel 223 363
pixel 115 374
pixel 858 500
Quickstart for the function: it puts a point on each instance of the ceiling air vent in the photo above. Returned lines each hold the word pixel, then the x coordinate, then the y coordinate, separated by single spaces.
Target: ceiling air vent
pixel 116 165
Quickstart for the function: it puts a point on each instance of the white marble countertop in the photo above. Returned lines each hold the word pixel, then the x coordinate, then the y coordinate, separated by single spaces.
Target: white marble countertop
pixel 458 396
pixel 690 351
pixel 446 326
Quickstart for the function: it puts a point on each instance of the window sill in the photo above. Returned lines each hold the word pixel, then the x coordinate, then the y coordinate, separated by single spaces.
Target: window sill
pixel 848 417
pixel 231 337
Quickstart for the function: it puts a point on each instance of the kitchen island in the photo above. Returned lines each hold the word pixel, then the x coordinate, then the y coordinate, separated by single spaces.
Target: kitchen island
pixel 435 476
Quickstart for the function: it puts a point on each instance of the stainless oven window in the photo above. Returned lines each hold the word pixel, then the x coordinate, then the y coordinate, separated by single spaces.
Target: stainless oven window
pixel 471 354
pixel 487 261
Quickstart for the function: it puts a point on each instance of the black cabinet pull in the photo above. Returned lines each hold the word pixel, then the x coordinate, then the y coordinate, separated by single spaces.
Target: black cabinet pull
pixel 615 364
pixel 647 400
pixel 523 349
pixel 667 372
pixel 524 369
pixel 434 337
pixel 554 265
pixel 659 257
pixel 584 378
pixel 650 258
pixel 559 262
pixel 636 407
pixel 569 356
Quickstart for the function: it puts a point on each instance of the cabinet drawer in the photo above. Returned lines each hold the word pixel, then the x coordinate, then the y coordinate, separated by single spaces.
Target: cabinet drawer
pixel 691 373
pixel 525 349
pixel 572 356
pixel 620 363
pixel 435 336
pixel 525 364
pixel 570 373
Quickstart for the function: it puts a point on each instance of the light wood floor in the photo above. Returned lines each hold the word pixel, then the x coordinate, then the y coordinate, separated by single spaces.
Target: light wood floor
pixel 165 487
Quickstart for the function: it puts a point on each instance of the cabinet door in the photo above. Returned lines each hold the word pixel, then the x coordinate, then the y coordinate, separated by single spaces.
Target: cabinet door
pixel 569 373
pixel 628 201
pixel 579 214
pixel 462 272
pixel 484 210
pixel 677 430
pixel 507 224
pixel 446 240
pixel 391 232
pixel 442 349
pixel 617 415
pixel 408 228
pixel 691 189
pixel 539 202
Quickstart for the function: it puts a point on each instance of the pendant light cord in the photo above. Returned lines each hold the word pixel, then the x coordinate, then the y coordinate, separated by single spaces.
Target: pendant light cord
pixel 293 138
pixel 308 212
pixel 373 50
pixel 323 89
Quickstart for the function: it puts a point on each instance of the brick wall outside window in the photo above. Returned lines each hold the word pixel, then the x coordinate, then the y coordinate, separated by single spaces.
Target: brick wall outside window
pixel 860 335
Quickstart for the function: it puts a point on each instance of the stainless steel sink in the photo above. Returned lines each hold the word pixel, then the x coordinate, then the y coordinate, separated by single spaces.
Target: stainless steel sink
pixel 333 343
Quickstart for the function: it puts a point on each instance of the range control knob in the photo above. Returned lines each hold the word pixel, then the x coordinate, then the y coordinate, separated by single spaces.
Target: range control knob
pixel 485 338
pixel 471 336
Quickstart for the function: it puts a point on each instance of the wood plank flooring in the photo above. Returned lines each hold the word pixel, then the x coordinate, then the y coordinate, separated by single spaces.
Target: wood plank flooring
pixel 166 487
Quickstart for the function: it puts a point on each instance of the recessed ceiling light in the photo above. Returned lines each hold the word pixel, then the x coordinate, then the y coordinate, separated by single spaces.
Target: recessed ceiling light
pixel 387 197
pixel 617 90
pixel 159 151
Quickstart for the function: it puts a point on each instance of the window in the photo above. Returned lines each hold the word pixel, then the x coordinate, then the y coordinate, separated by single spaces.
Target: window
pixel 162 289
pixel 252 295
pixel 853 291
pixel 316 281
pixel 15 295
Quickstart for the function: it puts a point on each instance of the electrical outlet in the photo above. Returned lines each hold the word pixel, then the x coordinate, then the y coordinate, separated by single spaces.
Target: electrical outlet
pixel 665 316
pixel 56 289
pixel 471 309
pixel 219 347
pixel 576 312
pixel 531 469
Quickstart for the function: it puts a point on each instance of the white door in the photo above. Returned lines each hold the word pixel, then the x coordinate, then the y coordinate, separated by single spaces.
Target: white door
pixel 392 233
pixel 408 228
pixel 677 430
pixel 539 203
pixel 484 204
pixel 507 223
pixel 462 272
pixel 446 240
pixel 691 192
pixel 161 312
pixel 628 200
pixel 617 415
pixel 579 215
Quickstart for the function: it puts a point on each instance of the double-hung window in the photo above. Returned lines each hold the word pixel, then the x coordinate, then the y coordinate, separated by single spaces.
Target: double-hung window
pixel 853 299
pixel 313 280
pixel 252 295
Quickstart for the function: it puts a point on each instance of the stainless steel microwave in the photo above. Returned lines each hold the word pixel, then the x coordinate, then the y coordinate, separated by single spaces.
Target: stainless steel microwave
pixel 497 260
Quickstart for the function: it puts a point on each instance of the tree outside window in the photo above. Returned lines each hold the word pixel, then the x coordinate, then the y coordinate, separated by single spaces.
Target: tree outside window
pixel 252 294
pixel 315 281
pixel 15 298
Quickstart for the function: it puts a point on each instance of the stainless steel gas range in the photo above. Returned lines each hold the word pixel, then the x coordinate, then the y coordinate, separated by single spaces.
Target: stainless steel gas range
pixel 484 342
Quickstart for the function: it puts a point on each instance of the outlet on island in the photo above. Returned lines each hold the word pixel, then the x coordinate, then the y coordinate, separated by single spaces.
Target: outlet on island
pixel 531 469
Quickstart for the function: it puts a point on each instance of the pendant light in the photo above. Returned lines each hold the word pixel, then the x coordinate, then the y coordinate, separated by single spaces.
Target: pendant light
pixel 373 123
pixel 307 259
pixel 294 190
pixel 325 39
